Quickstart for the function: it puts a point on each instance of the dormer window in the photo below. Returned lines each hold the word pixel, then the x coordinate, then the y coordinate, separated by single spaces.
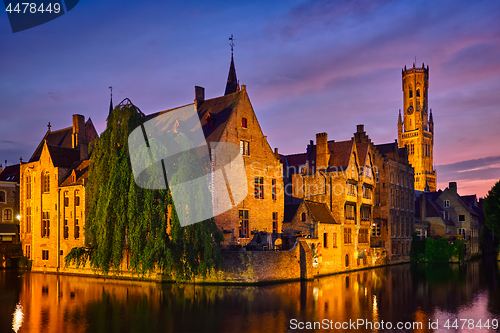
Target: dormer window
pixel 244 122
pixel 210 121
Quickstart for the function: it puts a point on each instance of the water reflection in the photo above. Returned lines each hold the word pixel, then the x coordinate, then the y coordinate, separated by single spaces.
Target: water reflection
pixel 402 293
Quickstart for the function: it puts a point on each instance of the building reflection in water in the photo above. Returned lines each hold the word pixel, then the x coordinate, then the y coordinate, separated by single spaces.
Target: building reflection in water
pixel 401 293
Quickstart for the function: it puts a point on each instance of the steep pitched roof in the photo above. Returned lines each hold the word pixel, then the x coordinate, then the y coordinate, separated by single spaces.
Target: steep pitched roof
pixel 63 157
pixel 10 174
pixel 219 110
pixel 232 85
pixel 59 138
pixel 290 211
pixel 319 212
pixel 81 171
pixel 362 149
pixel 293 162
pixel 340 153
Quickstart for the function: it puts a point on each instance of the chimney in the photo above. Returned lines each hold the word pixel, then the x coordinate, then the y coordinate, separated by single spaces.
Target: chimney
pixel 360 128
pixel 453 187
pixel 199 96
pixel 79 137
pixel 322 152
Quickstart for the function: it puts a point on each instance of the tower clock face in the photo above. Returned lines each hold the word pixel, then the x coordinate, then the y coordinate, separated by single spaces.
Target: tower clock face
pixel 409 110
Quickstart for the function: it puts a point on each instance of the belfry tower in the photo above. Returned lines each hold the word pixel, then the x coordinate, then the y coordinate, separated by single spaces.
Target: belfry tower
pixel 416 129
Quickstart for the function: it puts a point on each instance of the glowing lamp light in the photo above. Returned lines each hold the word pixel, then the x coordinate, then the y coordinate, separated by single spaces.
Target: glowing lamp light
pixel 18 217
pixel 17 321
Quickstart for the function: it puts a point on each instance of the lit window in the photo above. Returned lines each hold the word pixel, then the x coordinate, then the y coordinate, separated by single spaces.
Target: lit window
pixel 259 187
pixel 46 182
pixel 245 148
pixel 365 213
pixel 243 223
pixel 350 212
pixel 45 224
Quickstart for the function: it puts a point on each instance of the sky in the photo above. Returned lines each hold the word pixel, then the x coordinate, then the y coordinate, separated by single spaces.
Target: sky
pixel 309 67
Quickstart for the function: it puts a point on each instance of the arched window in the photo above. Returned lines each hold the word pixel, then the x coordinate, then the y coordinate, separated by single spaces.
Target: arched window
pixel 28 186
pixel 418 92
pixel 303 218
pixel 46 182
pixel 7 214
pixel 410 91
pixel 346 260
pixel 77 198
pixel 66 199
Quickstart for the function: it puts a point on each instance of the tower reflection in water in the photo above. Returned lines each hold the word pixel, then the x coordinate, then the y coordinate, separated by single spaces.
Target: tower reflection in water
pixel 402 293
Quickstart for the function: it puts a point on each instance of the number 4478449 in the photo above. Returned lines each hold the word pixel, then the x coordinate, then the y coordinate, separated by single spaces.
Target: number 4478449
pixel 471 324
pixel 31 7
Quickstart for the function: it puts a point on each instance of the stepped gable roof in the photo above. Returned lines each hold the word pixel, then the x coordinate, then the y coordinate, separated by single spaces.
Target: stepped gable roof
pixel 340 153
pixel 63 157
pixel 10 174
pixel 290 211
pixel 219 110
pixel 319 212
pixel 81 170
pixel 362 149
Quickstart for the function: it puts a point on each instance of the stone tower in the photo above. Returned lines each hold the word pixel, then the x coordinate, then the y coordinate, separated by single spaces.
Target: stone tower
pixel 416 128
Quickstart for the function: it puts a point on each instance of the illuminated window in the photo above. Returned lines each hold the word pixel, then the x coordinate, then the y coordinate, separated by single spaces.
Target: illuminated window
pixel 259 187
pixel 365 213
pixel 245 148
pixel 28 187
pixel 46 182
pixel 45 224
pixel 243 228
pixel 350 212
pixel 28 219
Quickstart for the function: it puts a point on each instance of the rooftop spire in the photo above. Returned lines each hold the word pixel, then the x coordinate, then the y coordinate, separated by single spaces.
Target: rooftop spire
pixel 111 102
pixel 232 84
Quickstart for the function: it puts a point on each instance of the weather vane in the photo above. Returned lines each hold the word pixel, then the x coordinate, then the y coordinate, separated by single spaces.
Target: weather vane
pixel 111 88
pixel 231 43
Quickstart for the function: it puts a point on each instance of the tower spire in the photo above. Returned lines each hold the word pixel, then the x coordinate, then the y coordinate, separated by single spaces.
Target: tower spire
pixel 111 101
pixel 232 84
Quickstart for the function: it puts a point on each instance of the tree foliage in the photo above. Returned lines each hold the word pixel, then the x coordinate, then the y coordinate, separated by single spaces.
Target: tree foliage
pixel 491 207
pixel 124 219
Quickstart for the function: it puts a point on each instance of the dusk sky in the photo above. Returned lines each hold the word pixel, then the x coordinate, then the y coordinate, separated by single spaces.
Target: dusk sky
pixel 309 67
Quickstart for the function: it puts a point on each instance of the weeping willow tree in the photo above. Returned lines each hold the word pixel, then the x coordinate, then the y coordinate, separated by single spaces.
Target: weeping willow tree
pixel 142 223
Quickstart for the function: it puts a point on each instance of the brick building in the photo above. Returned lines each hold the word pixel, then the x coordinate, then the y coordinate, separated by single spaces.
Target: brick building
pixel 393 214
pixel 341 176
pixel 231 118
pixel 416 129
pixel 53 195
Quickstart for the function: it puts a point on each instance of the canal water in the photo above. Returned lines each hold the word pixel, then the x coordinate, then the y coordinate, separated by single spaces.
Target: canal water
pixel 401 298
